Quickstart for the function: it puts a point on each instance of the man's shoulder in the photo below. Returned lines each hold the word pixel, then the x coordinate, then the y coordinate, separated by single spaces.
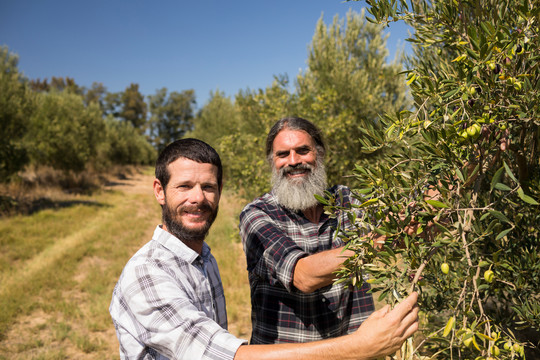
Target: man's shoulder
pixel 342 194
pixel 265 202
pixel 339 188
pixel 161 253
pixel 146 255
pixel 152 261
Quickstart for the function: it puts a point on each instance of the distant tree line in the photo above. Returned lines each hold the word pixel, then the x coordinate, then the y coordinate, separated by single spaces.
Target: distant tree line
pixel 347 83
pixel 60 124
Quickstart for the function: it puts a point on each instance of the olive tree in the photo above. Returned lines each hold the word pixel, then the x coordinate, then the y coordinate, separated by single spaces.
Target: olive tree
pixel 459 207
pixel 63 132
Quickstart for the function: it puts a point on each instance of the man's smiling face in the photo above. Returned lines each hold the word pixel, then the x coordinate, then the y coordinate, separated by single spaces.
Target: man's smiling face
pixel 190 200
pixel 298 172
pixel 294 151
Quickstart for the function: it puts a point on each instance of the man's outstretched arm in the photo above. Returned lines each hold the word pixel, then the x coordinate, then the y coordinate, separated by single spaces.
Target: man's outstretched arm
pixel 380 335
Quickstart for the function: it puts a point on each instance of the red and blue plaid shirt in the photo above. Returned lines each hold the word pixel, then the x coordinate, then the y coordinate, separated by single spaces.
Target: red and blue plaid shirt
pixel 274 239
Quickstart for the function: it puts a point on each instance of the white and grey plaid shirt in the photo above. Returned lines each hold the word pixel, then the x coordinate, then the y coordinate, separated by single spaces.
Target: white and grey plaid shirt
pixel 169 304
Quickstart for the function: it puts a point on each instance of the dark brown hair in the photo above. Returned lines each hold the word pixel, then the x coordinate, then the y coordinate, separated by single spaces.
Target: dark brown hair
pixel 192 149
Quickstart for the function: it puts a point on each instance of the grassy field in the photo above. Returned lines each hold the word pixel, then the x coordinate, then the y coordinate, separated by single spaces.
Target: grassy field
pixel 58 267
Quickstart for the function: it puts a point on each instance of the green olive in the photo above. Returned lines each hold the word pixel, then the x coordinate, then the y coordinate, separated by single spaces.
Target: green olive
pixel 489 276
pixel 445 268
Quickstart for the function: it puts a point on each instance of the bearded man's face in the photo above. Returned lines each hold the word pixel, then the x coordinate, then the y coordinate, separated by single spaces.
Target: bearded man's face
pixel 297 172
pixel 174 223
pixel 190 200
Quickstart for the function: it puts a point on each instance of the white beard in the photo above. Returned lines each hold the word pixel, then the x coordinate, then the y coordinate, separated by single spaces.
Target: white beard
pixel 299 194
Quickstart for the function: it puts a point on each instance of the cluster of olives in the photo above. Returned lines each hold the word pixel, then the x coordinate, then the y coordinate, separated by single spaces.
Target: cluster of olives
pixel 507 346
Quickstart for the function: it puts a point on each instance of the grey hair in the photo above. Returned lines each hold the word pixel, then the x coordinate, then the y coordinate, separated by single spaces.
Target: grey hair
pixel 295 123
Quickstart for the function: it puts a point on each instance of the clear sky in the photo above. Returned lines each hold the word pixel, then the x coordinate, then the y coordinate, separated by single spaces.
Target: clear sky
pixel 178 44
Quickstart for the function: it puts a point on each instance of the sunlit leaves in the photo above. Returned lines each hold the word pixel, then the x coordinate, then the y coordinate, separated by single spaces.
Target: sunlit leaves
pixel 466 188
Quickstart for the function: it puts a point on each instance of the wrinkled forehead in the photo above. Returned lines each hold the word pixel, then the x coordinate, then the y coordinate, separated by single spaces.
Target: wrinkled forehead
pixel 292 139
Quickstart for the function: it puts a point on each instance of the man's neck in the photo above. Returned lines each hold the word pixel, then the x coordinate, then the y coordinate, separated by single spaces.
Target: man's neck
pixel 193 245
pixel 314 213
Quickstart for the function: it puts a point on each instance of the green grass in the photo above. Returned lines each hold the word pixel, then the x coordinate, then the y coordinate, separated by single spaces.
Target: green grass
pixel 227 249
pixel 58 268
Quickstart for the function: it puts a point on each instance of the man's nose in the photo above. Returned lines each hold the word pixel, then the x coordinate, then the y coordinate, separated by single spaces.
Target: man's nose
pixel 196 195
pixel 294 159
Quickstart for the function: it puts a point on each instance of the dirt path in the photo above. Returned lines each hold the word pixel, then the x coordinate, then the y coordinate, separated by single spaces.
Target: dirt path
pixel 139 183
pixel 79 326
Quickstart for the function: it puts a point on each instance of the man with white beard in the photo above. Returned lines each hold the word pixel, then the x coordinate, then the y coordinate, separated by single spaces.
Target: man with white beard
pixel 291 249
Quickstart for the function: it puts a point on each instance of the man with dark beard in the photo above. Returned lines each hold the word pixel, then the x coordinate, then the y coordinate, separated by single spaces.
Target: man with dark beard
pixel 291 249
pixel 169 301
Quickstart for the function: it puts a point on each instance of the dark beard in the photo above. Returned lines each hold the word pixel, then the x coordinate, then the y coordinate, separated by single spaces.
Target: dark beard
pixel 299 194
pixel 180 231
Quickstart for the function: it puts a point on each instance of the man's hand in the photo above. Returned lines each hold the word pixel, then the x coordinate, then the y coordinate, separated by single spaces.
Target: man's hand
pixel 380 335
pixel 385 330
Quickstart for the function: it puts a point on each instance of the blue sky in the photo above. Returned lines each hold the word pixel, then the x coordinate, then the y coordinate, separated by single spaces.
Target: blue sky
pixel 200 45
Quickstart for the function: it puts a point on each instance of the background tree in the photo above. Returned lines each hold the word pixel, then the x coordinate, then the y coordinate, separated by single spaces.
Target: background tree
pixel 242 148
pixel 56 84
pixel 96 94
pixel 460 205
pixel 171 116
pixel 16 105
pixel 216 119
pixel 122 144
pixel 112 104
pixel 63 132
pixel 133 107
pixel 66 84
pixel 39 85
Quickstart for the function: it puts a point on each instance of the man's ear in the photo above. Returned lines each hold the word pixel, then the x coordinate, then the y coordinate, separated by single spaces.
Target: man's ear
pixel 159 192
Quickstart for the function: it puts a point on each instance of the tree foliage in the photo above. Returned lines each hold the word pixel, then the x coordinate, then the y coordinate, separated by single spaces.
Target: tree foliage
pixel 124 145
pixel 171 116
pixel 460 206
pixel 242 149
pixel 16 104
pixel 63 132
pixel 60 124
pixel 216 118
pixel 57 83
pixel 348 83
pixel 133 107
pixel 96 94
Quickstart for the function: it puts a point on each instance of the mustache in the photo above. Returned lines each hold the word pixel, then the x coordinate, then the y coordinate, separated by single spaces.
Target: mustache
pixel 289 169
pixel 204 207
